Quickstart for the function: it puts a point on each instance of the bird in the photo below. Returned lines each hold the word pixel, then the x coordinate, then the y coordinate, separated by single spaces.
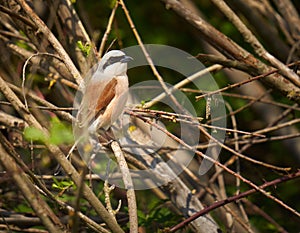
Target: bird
pixel 103 98
pixel 105 93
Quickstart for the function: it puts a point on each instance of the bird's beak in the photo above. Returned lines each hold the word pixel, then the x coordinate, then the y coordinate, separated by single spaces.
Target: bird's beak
pixel 126 59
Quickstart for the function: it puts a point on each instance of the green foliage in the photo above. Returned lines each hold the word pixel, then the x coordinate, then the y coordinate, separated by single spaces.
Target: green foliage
pixel 157 216
pixel 24 208
pixel 84 48
pixel 143 102
pixel 63 185
pixel 35 135
pixel 60 133
pixel 23 44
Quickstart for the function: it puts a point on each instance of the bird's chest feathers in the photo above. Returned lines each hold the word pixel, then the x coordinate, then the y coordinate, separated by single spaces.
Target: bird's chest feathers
pixel 122 85
pixel 103 92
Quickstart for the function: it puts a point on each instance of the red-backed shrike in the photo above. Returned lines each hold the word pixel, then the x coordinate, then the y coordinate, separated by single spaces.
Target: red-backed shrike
pixel 105 94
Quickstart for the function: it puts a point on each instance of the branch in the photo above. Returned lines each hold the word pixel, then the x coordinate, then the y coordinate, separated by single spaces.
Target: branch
pixel 132 208
pixel 43 189
pixel 76 32
pixel 147 56
pixel 228 63
pixel 234 198
pixel 17 16
pixel 160 172
pixel 265 75
pixel 254 42
pixel 199 153
pixel 43 211
pixel 232 50
pixel 52 39
pixel 60 157
pixel 182 83
pixel 108 29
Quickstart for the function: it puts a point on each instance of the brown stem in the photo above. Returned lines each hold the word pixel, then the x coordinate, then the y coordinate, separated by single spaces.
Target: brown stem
pixel 234 198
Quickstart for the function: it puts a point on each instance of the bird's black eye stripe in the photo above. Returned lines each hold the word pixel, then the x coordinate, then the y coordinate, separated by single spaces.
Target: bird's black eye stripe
pixel 112 60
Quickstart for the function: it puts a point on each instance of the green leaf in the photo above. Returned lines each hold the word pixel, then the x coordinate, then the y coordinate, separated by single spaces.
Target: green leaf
pixel 62 184
pixel 60 132
pixel 34 134
pixel 85 48
pixel 23 44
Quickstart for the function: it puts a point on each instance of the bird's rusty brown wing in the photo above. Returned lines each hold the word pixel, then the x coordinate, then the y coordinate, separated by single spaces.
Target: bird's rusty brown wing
pixel 108 94
pixel 96 98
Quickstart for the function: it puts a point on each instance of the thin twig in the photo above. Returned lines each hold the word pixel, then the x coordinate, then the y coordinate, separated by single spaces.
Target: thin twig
pixel 182 83
pixel 43 189
pixel 276 127
pixel 55 69
pixel 17 16
pixel 237 84
pixel 24 72
pixel 262 140
pixel 187 119
pixel 60 112
pixel 17 36
pixel 147 56
pixel 258 211
pixel 78 196
pixel 107 190
pixel 253 101
pixel 238 165
pixel 53 40
pixel 254 42
pixel 108 29
pixel 40 207
pixel 241 155
pixel 235 95
pixel 199 153
pixel 60 157
pixel 132 207
pixel 234 198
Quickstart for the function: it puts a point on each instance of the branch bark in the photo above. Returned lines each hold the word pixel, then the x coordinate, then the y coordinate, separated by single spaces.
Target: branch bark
pixel 230 49
pixel 132 207
pixel 60 157
pixel 41 27
pixel 43 211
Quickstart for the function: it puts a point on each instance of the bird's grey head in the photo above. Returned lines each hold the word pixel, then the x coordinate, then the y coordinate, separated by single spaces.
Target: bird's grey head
pixel 114 63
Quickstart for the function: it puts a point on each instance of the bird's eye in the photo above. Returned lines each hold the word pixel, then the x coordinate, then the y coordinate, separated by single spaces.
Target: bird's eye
pixel 115 59
pixel 112 60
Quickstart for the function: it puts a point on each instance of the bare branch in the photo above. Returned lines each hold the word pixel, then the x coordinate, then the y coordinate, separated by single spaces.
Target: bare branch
pixel 132 207
pixel 52 39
